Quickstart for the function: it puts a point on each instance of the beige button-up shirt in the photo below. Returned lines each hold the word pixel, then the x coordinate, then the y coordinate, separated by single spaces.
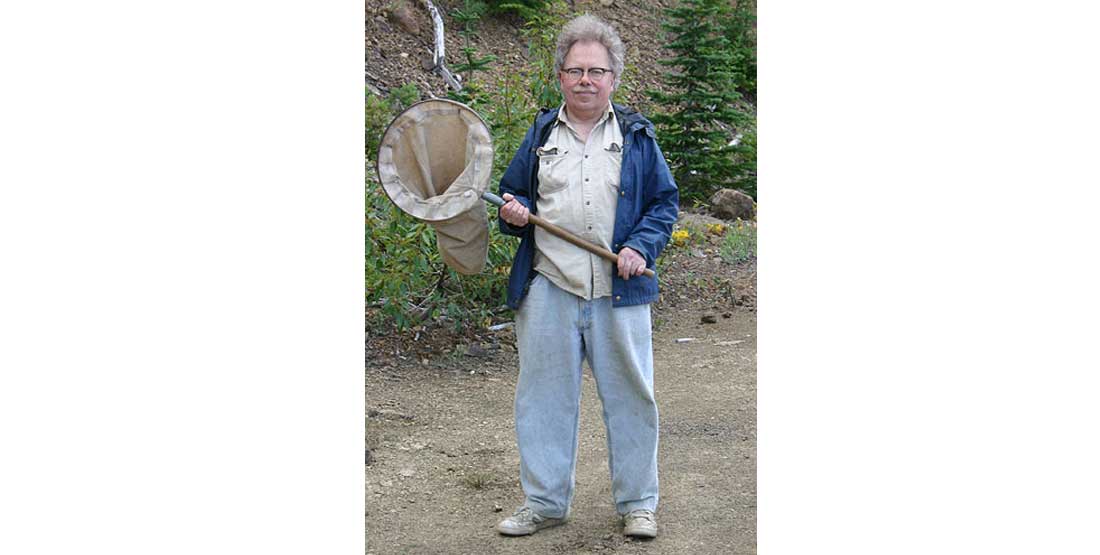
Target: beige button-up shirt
pixel 578 191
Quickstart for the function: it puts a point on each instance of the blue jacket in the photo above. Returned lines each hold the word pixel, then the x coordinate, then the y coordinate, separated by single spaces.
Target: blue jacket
pixel 647 206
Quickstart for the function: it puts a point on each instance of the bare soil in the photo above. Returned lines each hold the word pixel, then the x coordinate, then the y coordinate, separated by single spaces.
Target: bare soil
pixel 443 466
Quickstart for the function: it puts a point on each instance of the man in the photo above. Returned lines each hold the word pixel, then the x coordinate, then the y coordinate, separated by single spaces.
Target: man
pixel 593 168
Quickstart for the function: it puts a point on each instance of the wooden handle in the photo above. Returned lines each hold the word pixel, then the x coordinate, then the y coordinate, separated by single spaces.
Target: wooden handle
pixel 565 235
pixel 588 246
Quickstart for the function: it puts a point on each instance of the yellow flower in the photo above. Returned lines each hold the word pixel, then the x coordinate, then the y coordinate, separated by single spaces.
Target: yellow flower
pixel 716 229
pixel 680 237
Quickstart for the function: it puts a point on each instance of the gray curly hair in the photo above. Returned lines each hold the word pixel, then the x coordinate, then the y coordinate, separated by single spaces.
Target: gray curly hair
pixel 591 28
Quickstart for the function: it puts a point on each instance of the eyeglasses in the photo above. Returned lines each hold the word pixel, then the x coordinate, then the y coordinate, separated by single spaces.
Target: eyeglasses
pixel 594 73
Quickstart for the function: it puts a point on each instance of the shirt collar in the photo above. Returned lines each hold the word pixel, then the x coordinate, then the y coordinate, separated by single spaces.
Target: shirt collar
pixel 609 113
pixel 609 138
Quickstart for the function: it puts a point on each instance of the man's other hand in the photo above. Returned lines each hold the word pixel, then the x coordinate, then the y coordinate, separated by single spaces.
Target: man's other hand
pixel 513 212
pixel 630 263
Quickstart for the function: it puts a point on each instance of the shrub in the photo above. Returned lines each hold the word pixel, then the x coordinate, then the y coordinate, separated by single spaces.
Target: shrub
pixel 739 243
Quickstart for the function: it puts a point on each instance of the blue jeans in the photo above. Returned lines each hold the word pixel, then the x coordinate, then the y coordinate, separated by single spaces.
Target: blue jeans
pixel 555 330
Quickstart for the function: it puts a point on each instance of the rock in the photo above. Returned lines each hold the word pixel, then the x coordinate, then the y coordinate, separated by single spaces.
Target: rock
pixel 710 319
pixel 730 204
pixel 476 350
pixel 407 473
pixel 370 458
pixel 698 222
pixel 497 508
pixel 727 314
pixel 402 16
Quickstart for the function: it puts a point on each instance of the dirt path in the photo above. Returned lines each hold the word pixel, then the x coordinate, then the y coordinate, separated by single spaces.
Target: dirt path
pixel 444 464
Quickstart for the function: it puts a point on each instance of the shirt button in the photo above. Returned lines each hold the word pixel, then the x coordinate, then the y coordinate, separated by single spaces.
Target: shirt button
pixel 586 203
pixel 586 179
pixel 622 193
pixel 617 297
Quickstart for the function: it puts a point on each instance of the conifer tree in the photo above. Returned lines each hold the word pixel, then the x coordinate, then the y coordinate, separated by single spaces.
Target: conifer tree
pixel 470 16
pixel 700 116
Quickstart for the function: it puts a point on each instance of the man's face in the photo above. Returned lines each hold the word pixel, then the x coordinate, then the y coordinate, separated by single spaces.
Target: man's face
pixel 586 95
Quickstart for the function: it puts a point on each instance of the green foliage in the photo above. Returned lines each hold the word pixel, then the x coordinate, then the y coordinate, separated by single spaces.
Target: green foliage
pixel 739 27
pixel 378 116
pixel 541 31
pixel 469 16
pixel 508 115
pixel 402 97
pixel 407 282
pixel 744 162
pixel 380 112
pixel 702 115
pixel 526 9
pixel 738 243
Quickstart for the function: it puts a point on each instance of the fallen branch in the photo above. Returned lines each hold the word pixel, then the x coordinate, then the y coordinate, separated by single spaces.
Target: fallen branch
pixel 438 58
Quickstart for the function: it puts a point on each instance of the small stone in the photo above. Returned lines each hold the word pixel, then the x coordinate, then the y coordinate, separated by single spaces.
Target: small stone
pixel 497 508
pixel 710 319
pixel 727 314
pixel 407 473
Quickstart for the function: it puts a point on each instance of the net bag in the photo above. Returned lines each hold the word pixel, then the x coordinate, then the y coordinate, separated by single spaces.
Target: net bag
pixel 434 162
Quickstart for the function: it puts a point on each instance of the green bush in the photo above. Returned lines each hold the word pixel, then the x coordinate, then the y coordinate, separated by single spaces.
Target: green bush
pixel 738 243
pixel 407 282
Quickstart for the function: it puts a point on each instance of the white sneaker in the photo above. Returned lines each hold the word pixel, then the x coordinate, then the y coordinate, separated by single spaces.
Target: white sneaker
pixel 525 521
pixel 640 524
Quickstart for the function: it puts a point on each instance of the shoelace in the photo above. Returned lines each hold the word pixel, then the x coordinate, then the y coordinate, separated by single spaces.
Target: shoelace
pixel 524 514
pixel 648 516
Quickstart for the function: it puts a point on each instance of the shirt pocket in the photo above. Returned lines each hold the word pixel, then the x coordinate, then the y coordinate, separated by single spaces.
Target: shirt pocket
pixel 552 169
pixel 613 167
